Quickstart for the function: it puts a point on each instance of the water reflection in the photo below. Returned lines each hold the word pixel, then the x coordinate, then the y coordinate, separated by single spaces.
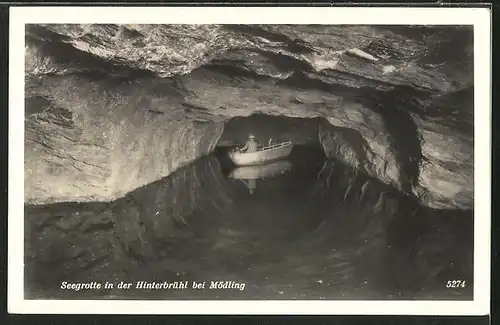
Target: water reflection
pixel 311 229
pixel 249 175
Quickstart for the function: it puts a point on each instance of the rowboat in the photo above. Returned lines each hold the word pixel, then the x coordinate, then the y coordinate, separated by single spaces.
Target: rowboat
pixel 262 155
pixel 261 171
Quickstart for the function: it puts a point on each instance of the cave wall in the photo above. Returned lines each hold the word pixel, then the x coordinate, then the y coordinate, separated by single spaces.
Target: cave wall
pixel 96 140
pixel 445 171
pixel 362 145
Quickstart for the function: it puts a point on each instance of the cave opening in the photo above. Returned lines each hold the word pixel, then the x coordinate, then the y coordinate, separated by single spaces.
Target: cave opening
pixel 306 158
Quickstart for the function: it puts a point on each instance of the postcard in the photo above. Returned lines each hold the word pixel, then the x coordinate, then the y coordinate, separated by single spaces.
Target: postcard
pixel 249 160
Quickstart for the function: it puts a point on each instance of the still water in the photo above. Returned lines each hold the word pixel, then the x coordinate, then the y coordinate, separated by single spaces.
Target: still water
pixel 303 228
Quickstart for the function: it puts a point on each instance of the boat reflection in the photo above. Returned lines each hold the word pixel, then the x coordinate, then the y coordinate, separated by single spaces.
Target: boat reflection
pixel 250 174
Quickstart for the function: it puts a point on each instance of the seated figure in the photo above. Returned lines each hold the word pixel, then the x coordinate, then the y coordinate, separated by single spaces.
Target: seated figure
pixel 250 145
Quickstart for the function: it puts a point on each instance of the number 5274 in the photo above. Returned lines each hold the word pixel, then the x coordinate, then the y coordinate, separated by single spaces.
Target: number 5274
pixel 455 284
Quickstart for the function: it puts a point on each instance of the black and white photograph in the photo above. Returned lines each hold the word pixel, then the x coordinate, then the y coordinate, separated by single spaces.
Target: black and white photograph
pixel 250 161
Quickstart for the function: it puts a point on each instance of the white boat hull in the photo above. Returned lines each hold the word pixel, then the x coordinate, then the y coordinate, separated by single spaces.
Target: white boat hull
pixel 265 155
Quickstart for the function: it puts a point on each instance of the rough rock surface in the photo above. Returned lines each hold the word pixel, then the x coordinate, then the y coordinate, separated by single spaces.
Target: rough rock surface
pixel 97 143
pixel 111 108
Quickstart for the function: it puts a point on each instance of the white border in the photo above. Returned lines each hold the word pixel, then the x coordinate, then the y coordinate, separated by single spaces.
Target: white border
pixel 480 18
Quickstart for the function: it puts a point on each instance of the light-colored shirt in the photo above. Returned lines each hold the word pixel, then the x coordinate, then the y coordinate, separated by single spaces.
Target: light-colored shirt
pixel 250 146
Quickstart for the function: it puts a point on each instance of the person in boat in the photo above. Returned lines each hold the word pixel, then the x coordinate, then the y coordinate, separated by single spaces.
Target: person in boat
pixel 250 145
